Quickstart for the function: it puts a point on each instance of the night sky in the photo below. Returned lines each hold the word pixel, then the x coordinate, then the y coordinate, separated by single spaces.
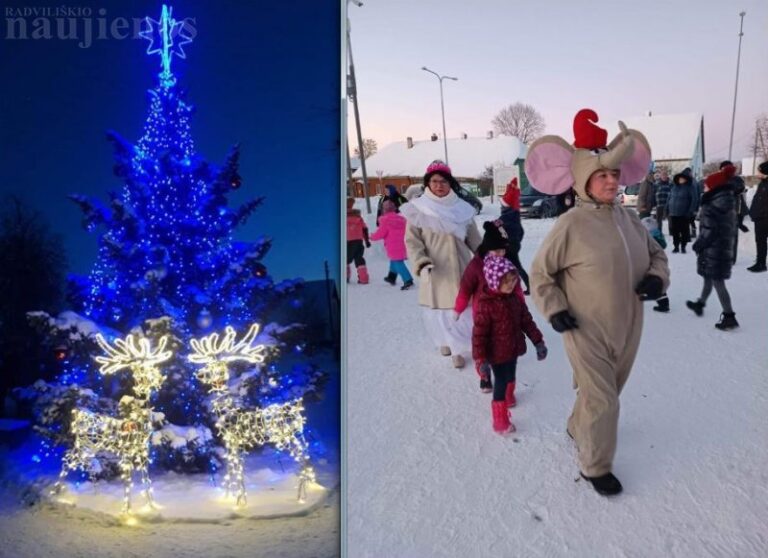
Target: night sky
pixel 262 74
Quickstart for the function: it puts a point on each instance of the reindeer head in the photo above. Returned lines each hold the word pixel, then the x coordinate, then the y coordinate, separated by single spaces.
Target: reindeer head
pixel 216 354
pixel 139 357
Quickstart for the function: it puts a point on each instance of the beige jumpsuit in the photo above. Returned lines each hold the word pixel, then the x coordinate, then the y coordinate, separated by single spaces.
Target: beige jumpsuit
pixel 589 264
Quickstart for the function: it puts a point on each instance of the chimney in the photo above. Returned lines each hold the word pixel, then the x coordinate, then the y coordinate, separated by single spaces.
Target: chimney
pixel 409 142
pixel 490 134
pixel 434 137
pixel 463 135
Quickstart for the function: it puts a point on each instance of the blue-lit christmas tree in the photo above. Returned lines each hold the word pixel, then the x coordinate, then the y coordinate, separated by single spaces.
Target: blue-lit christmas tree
pixel 168 264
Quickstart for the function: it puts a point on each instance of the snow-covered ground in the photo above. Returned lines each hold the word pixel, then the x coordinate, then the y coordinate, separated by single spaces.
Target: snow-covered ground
pixel 192 521
pixel 428 477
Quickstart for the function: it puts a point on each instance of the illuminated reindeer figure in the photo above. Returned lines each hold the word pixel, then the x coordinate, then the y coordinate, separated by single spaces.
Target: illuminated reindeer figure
pixel 242 429
pixel 127 436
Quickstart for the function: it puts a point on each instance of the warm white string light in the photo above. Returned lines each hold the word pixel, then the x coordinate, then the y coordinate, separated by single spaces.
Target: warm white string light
pixel 242 429
pixel 126 436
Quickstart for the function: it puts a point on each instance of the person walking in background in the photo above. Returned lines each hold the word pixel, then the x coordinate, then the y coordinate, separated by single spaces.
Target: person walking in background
pixel 392 231
pixel 758 211
pixel 500 321
pixel 646 195
pixel 440 238
pixel 697 188
pixel 495 243
pixel 663 188
pixel 591 275
pixel 680 206
pixel 510 218
pixel 357 234
pixel 391 194
pixel 714 247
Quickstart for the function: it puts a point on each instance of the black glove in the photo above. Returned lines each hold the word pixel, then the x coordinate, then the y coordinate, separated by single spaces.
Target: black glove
pixel 367 243
pixel 563 321
pixel 650 288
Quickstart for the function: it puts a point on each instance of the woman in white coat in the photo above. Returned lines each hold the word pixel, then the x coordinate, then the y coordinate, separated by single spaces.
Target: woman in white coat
pixel 441 237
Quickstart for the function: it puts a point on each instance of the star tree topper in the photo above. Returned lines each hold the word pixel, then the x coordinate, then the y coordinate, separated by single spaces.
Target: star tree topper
pixel 167 37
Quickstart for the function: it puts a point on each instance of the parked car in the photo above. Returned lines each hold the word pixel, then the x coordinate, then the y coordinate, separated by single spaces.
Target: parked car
pixel 535 204
pixel 470 198
pixel 627 196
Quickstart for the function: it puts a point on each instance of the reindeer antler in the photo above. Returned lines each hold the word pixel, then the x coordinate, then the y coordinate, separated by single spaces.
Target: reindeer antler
pixel 127 353
pixel 209 349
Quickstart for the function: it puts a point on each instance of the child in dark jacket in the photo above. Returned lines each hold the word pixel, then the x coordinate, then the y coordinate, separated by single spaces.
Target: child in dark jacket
pixel 495 243
pixel 357 233
pixel 500 321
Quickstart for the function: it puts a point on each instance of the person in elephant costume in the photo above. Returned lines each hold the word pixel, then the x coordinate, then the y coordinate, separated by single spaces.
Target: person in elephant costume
pixel 591 275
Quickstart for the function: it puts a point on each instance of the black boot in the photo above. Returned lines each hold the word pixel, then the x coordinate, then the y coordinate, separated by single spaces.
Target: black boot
pixel 662 304
pixel 697 307
pixel 407 285
pixel 391 278
pixel 682 248
pixel 676 250
pixel 605 485
pixel 757 268
pixel 727 321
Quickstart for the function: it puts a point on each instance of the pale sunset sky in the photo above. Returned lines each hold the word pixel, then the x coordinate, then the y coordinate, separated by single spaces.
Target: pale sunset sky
pixel 621 58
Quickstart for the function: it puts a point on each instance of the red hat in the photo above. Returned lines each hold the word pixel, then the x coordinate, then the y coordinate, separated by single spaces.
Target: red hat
pixel 588 135
pixel 720 177
pixel 511 197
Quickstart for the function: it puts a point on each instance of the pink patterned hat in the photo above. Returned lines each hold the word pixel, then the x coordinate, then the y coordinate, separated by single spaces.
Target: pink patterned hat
pixel 494 268
pixel 438 165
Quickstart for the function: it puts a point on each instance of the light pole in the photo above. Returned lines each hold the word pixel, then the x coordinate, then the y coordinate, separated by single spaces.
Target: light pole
pixel 736 89
pixel 442 105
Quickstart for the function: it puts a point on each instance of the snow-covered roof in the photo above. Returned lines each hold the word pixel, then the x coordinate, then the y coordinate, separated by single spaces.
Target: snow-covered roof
pixel 468 158
pixel 672 136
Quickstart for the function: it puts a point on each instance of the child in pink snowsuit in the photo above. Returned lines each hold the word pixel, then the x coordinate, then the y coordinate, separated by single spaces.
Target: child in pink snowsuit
pixel 392 231
pixel 494 243
pixel 357 233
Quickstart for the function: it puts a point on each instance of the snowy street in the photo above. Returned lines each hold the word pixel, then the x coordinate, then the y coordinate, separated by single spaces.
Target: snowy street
pixel 429 477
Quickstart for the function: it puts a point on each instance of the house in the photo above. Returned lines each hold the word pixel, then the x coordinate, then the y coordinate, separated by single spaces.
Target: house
pixel 676 140
pixel 404 163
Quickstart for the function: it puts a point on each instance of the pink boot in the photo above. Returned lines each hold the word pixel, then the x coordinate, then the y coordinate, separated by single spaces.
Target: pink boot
pixel 501 422
pixel 362 275
pixel 509 396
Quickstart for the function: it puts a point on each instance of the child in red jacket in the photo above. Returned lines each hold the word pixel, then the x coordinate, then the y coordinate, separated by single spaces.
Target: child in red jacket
pixel 495 243
pixel 357 233
pixel 500 319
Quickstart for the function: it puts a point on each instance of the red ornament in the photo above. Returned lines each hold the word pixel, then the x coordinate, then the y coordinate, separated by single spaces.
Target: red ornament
pixel 236 182
pixel 60 353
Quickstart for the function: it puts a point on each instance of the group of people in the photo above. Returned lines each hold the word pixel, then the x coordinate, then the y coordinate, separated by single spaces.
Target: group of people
pixel 590 276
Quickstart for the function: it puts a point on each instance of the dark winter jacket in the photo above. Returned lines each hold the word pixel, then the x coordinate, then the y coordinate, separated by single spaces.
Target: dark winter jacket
pixel 698 187
pixel 500 320
pixel 758 210
pixel 741 203
pixel 715 245
pixel 510 220
pixel 646 196
pixel 392 195
pixel 683 196
pixel 663 190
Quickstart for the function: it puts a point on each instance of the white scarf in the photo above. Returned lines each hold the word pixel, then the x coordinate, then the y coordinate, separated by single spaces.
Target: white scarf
pixel 448 215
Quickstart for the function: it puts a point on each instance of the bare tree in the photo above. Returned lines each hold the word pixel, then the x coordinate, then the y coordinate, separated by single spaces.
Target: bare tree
pixel 520 120
pixel 369 148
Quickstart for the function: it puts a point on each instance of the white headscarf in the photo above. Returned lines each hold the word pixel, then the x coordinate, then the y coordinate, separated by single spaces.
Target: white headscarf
pixel 449 214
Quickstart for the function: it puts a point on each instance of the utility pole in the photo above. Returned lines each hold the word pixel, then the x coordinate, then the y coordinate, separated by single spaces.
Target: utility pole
pixel 736 89
pixel 352 93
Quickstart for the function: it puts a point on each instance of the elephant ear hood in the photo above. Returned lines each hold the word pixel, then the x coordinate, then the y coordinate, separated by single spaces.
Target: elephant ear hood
pixel 553 165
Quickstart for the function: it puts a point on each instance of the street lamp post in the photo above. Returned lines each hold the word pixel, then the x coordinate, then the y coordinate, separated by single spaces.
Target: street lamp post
pixel 736 89
pixel 352 93
pixel 442 106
